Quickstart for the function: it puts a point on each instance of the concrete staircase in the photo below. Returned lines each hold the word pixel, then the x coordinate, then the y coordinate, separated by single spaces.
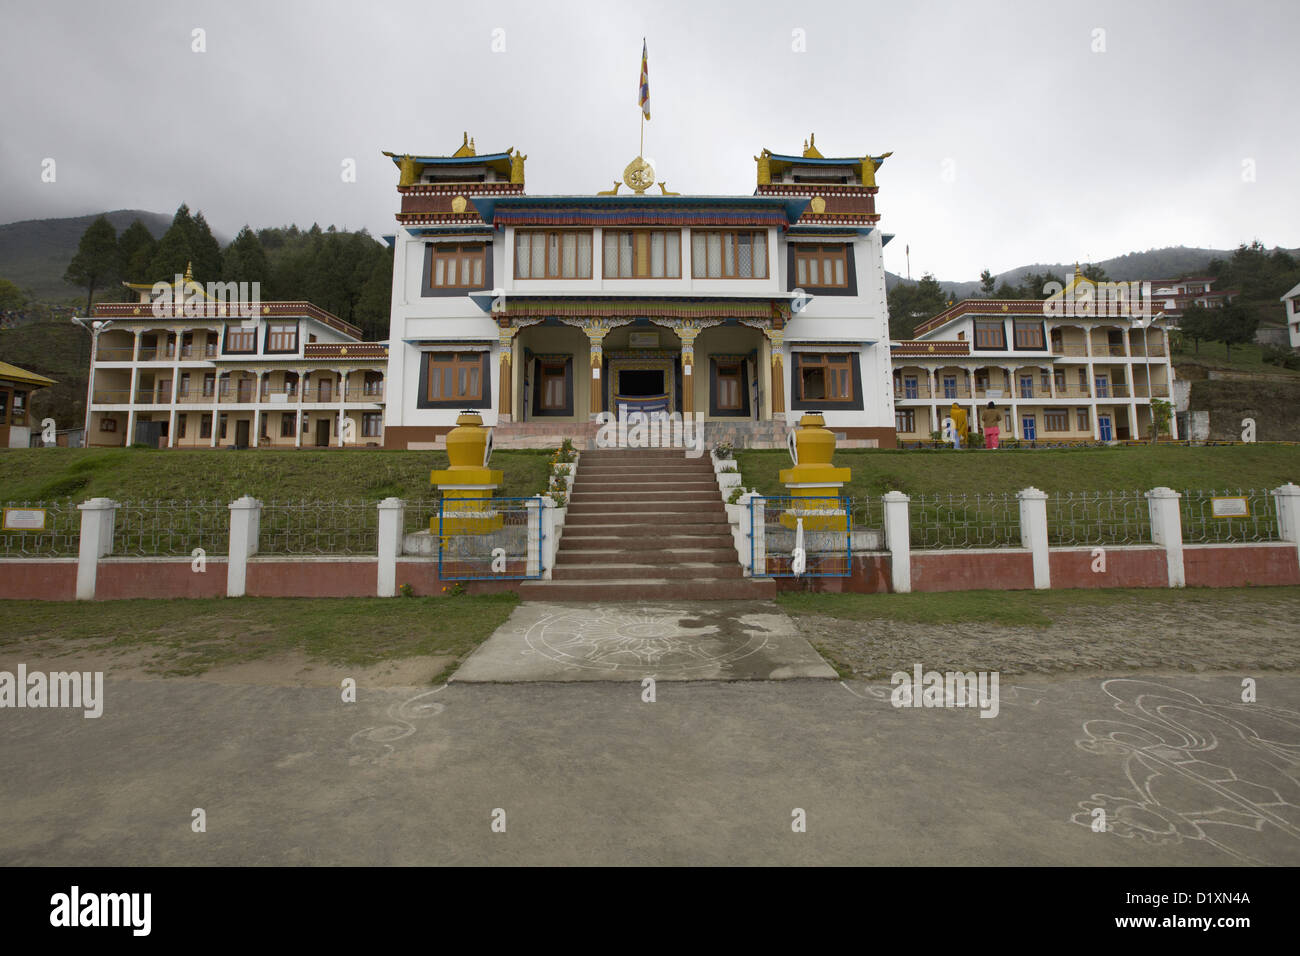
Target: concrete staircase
pixel 646 524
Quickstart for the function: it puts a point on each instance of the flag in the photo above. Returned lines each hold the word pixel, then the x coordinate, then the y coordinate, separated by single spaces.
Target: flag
pixel 643 94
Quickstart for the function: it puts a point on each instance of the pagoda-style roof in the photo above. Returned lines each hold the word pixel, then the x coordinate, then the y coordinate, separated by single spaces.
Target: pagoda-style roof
pixel 12 373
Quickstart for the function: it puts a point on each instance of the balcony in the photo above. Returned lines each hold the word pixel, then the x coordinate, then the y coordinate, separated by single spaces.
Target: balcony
pixel 908 392
pixel 1069 348
pixel 1072 391
pixel 111 396
pixel 365 394
pixel 119 354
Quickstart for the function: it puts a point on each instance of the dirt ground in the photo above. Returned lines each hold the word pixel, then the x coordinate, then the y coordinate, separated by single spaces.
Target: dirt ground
pixel 292 669
pixel 1264 635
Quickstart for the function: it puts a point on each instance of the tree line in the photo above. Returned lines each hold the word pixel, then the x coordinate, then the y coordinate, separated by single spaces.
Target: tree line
pixel 346 273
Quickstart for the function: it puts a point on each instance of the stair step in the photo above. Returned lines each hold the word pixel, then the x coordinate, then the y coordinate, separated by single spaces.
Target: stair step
pixel 650 589
pixel 674 485
pixel 587 553
pixel 692 571
pixel 644 523
pixel 584 508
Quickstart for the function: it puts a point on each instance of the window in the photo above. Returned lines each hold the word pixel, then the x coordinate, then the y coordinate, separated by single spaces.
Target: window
pixel 1103 387
pixel 1083 379
pixel 541 254
pixel 455 376
pixel 108 424
pixel 1059 377
pixel 824 377
pixel 205 425
pixel 728 255
pixel 241 340
pixel 642 254
pixel 455 266
pixel 1081 419
pixel 825 266
pixel 1045 380
pixel 290 386
pixel 20 408
pixel 1056 420
pixel 372 424
pixel 553 381
pixel 180 426
pixel 909 387
pixel 286 424
pixel 209 384
pixel 282 337
pixel 727 386
pixel 1026 386
pixel 950 386
pixel 1029 334
pixel 905 420
pixel 223 422
pixel 990 335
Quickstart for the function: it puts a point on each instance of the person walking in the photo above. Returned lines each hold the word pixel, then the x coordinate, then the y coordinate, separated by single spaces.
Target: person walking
pixel 991 420
pixel 958 416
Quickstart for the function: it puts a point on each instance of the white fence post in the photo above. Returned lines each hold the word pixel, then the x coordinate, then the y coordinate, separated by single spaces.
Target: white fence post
pixel 538 538
pixel 898 538
pixel 1033 533
pixel 245 524
pixel 1288 513
pixel 98 522
pixel 392 521
pixel 1167 530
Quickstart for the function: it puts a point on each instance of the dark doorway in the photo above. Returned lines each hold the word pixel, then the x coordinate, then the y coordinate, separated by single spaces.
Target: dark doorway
pixel 322 432
pixel 635 382
pixel 241 434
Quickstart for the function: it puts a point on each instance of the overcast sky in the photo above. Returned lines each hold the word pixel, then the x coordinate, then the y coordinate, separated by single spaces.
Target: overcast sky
pixel 1020 132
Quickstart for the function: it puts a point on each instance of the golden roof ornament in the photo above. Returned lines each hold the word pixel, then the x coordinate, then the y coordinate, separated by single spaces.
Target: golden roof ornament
pixel 516 167
pixel 810 150
pixel 639 175
pixel 466 148
pixel 764 160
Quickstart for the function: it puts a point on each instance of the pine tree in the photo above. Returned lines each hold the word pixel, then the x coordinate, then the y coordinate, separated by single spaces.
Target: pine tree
pixel 136 247
pixel 97 262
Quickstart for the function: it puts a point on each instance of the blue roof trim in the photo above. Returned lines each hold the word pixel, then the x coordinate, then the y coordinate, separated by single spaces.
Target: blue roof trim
pixel 812 229
pixel 884 238
pixel 456 228
pixel 453 160
pixel 487 205
pixel 809 161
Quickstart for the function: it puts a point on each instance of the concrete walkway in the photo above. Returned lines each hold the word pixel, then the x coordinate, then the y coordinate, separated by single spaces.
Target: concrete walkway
pixel 702 640
pixel 711 773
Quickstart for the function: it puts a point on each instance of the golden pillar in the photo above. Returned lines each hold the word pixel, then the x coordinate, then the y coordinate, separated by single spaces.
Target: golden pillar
pixel 596 337
pixel 688 370
pixel 505 406
pixel 775 337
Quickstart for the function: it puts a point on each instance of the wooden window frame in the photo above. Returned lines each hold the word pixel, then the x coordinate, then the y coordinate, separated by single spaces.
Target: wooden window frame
pixel 372 424
pixel 908 417
pixel 276 329
pixel 822 254
pixel 250 333
pixel 457 252
pixel 205 425
pixel 1031 331
pixel 1082 419
pixel 730 236
pixel 455 362
pixel 546 374
pixel 641 240
pixel 807 361
pixel 559 235
pixel 108 424
pixel 983 332
pixel 1063 414
pixel 287 420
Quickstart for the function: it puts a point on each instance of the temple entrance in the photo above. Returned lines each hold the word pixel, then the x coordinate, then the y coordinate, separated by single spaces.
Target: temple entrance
pixel 642 389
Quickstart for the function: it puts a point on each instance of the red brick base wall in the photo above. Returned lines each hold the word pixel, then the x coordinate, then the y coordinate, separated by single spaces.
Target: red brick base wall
pixel 1240 565
pixel 1128 567
pixel 972 570
pixel 119 578
pixel 303 577
pixel 37 580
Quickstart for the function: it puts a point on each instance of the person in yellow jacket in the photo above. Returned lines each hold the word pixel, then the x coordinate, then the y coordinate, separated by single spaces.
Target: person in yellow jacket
pixel 959 427
pixel 991 421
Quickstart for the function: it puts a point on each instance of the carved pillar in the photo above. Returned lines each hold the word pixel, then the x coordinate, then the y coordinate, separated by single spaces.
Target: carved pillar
pixel 505 348
pixel 775 337
pixel 687 336
pixel 596 336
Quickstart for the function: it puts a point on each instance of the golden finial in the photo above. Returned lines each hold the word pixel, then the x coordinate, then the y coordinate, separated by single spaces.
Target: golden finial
pixel 466 147
pixel 810 150
pixel 764 160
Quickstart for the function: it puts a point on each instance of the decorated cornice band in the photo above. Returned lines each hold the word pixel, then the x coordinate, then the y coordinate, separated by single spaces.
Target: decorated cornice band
pixel 636 309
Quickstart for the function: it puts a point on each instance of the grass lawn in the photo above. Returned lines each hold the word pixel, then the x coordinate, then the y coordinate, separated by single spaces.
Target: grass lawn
pixel 188 637
pixel 1244 358
pixel 131 474
pixel 1023 608
pixel 915 472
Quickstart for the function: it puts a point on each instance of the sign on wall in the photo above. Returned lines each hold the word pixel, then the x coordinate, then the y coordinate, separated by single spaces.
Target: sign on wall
pixel 1230 507
pixel 24 519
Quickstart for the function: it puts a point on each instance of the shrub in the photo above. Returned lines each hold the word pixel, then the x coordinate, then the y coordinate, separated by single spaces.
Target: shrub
pixel 723 449
pixel 559 497
pixel 734 497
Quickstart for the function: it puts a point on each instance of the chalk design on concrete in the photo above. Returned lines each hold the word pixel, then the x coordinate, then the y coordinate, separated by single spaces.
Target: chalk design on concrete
pixel 611 639
pixel 694 641
pixel 1245 800
pixel 403 717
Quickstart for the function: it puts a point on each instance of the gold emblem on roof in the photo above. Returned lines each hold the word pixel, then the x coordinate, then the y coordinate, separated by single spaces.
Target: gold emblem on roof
pixel 639 175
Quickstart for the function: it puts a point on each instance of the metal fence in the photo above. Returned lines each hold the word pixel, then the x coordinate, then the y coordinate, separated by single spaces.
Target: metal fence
pixel 801 536
pixel 1087 518
pixel 171 528
pixel 1202 526
pixel 965 521
pixel 60 538
pixel 319 527
pixel 490 539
